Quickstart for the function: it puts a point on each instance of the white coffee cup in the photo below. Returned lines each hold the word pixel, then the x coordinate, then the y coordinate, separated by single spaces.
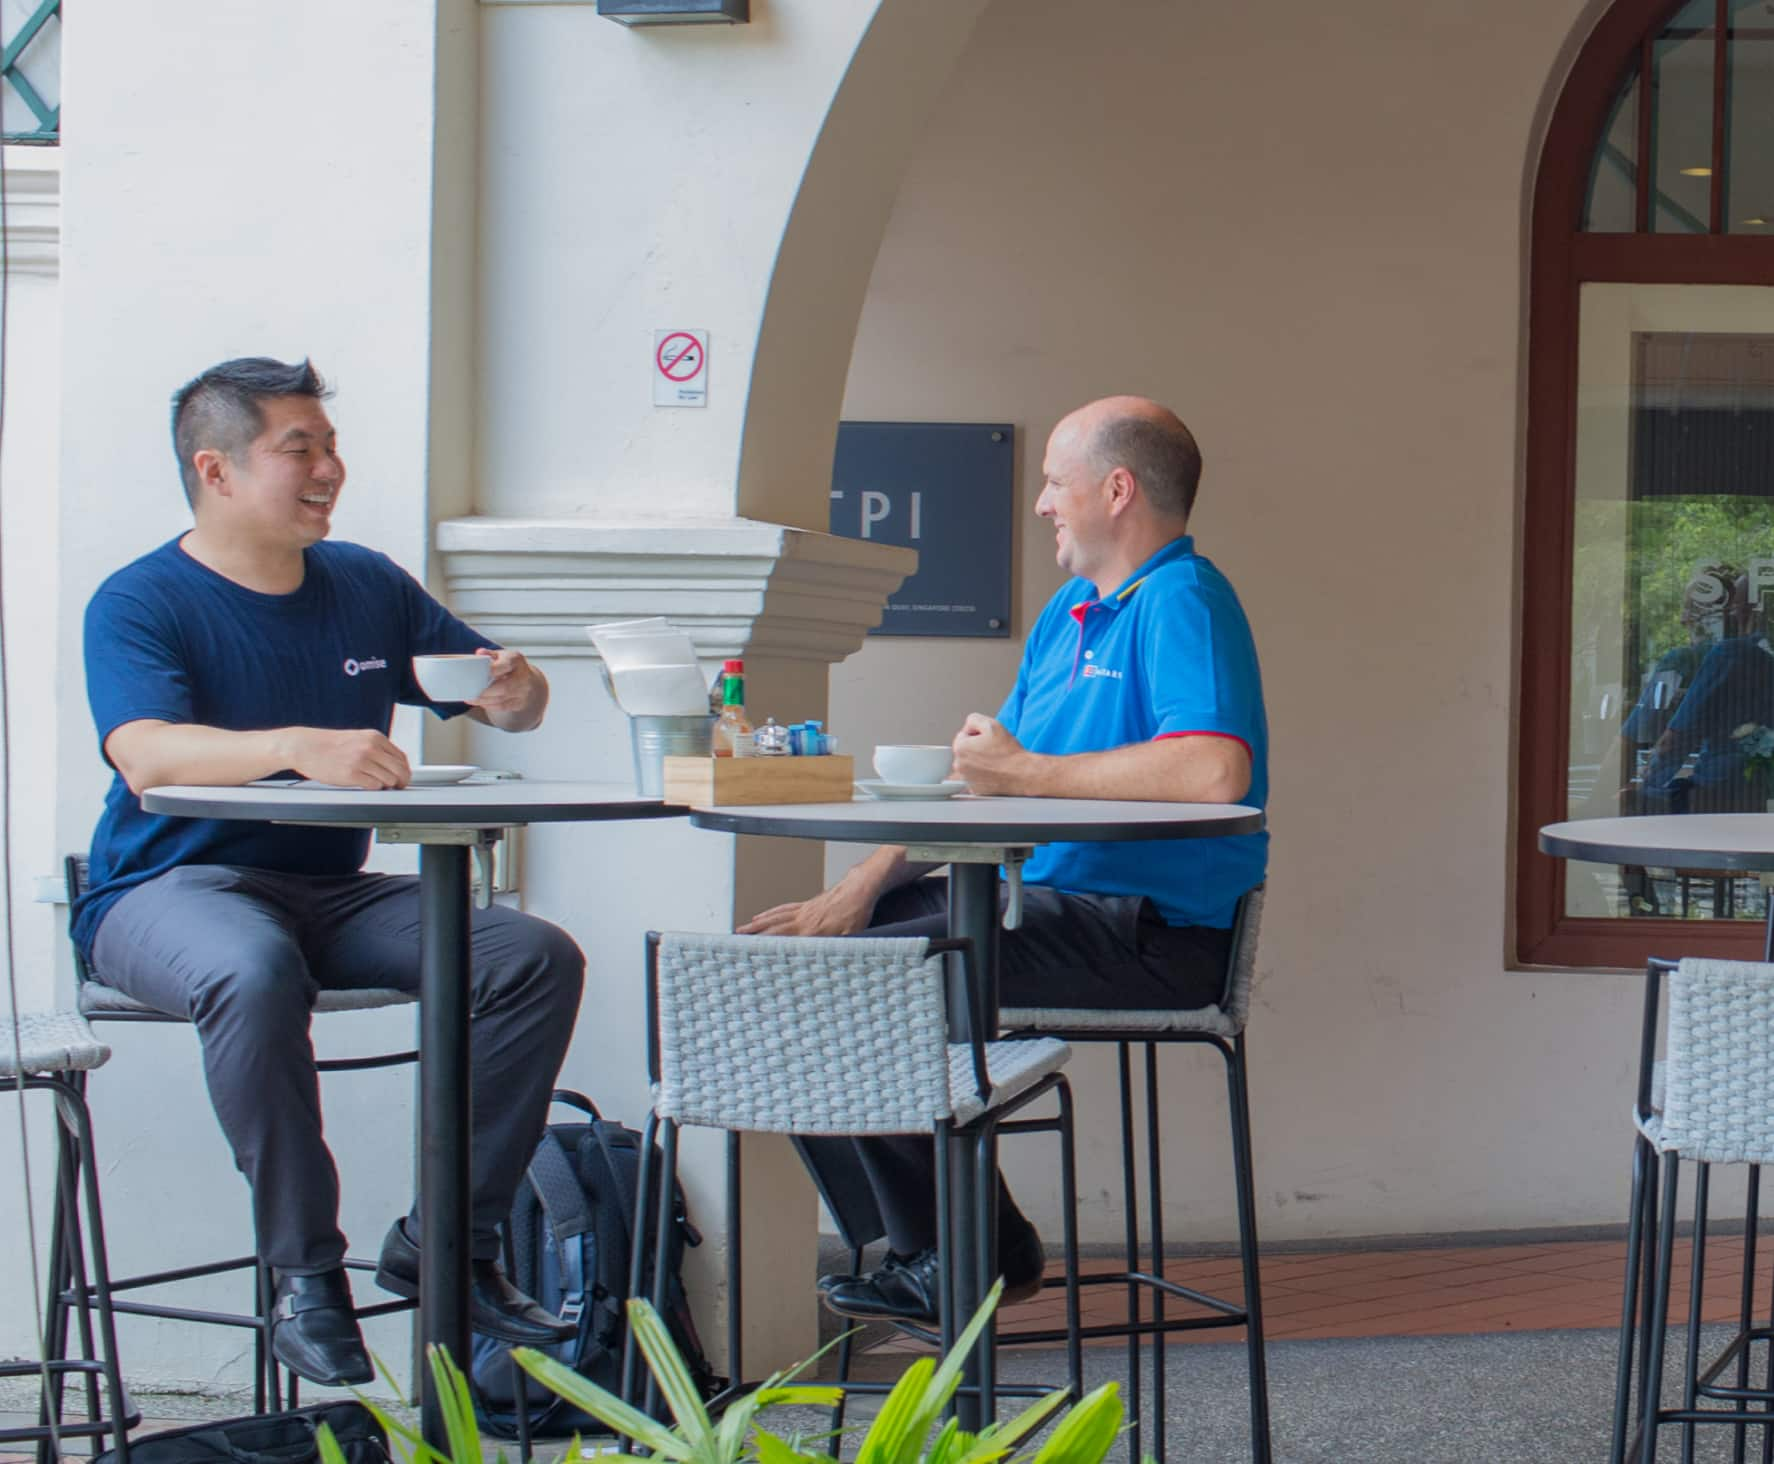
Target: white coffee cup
pixel 452 678
pixel 907 763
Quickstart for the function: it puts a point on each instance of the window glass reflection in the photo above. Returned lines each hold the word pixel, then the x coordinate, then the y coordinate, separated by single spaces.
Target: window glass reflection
pixel 1672 665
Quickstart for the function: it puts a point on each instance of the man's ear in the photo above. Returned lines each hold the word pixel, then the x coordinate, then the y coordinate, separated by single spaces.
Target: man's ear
pixel 212 470
pixel 1122 490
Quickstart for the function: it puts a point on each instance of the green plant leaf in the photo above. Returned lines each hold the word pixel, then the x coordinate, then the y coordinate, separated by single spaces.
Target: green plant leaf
pixel 948 1376
pixel 800 1395
pixel 775 1450
pixel 675 1382
pixel 604 1406
pixel 456 1406
pixel 1086 1433
pixel 885 1442
pixel 330 1452
pixel 995 1443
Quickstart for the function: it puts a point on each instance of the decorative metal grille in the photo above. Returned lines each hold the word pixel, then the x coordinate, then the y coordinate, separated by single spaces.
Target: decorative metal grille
pixel 13 78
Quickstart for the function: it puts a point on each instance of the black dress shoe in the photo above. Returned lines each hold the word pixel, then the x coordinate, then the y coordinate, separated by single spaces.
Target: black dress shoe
pixel 908 1288
pixel 495 1307
pixel 314 1330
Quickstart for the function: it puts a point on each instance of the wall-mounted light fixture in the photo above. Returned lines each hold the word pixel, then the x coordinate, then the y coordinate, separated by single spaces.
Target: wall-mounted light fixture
pixel 676 12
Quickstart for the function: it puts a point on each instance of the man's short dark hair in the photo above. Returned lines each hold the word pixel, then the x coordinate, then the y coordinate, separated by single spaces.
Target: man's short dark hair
pixel 1161 454
pixel 219 410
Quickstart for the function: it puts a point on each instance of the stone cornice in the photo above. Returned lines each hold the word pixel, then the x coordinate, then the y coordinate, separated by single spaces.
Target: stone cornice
pixel 33 219
pixel 738 586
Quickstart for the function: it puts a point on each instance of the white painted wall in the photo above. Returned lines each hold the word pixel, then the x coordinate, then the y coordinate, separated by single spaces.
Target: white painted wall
pixel 237 181
pixel 1306 234
pixel 31 376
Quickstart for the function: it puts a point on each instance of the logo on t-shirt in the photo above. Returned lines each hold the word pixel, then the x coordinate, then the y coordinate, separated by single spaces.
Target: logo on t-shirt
pixel 375 663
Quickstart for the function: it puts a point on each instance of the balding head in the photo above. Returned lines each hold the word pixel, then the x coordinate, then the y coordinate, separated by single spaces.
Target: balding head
pixel 1149 440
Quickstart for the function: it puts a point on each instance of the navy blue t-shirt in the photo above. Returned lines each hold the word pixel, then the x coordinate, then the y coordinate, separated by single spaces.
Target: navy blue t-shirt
pixel 170 640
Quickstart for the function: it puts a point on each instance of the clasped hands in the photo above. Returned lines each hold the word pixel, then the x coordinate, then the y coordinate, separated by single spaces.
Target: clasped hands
pixel 987 757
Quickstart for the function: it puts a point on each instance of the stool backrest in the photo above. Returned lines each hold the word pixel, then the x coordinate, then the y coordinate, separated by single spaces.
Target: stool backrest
pixel 1247 926
pixel 74 869
pixel 798 1035
pixel 1718 1103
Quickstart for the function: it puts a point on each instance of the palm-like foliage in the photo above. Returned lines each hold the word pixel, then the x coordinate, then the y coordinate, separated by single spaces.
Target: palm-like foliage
pixel 905 1431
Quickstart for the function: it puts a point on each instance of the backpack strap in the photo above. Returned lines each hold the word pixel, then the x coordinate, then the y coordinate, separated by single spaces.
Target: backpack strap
pixel 569 1216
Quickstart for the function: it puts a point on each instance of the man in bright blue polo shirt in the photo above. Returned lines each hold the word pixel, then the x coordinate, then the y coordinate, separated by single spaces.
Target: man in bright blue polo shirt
pixel 1138 681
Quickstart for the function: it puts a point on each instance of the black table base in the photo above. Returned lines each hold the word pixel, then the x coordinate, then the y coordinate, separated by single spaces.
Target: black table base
pixel 444 1099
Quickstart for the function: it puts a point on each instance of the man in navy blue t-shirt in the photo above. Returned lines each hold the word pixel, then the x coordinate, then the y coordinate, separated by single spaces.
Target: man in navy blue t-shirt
pixel 251 647
pixel 1138 681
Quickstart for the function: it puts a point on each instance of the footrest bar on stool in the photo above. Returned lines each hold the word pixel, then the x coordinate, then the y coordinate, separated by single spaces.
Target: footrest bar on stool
pixel 184 1273
pixel 1122 1329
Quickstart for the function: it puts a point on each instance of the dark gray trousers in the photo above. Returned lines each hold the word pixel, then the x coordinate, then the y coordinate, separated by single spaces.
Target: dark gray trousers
pixel 242 953
pixel 1089 951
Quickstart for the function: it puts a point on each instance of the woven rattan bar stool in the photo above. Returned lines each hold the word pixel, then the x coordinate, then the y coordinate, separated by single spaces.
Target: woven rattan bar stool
pixel 101 1003
pixel 44 1053
pixel 840 1036
pixel 1710 1100
pixel 1221 1028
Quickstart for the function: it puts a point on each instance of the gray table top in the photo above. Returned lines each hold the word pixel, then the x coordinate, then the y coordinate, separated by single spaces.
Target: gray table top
pixel 1731 841
pixel 990 821
pixel 469 805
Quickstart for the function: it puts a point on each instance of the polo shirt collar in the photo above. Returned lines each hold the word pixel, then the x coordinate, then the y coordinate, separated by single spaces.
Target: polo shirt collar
pixel 1177 548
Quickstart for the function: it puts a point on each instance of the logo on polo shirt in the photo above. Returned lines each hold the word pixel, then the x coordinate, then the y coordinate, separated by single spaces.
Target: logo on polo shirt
pixel 1094 670
pixel 374 663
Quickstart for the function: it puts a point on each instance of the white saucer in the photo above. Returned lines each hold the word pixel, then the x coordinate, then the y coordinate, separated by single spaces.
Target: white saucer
pixel 434 773
pixel 875 788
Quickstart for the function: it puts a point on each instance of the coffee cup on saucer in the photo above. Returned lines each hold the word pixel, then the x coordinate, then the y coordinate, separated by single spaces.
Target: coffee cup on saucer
pixel 907 763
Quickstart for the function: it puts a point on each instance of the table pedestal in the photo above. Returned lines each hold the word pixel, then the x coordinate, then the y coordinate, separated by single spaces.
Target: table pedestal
pixel 973 915
pixel 445 1098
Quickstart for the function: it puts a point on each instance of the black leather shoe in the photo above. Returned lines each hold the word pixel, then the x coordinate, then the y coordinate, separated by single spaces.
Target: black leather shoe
pixel 908 1288
pixel 495 1306
pixel 314 1330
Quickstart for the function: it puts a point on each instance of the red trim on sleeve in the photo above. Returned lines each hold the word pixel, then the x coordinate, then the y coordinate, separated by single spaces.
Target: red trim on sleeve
pixel 1229 736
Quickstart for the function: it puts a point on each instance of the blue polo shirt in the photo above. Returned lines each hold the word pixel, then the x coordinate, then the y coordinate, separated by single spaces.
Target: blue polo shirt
pixel 1169 654
pixel 168 638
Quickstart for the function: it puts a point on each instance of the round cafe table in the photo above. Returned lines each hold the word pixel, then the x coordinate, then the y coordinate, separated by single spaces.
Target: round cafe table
pixel 974 836
pixel 446 822
pixel 1738 842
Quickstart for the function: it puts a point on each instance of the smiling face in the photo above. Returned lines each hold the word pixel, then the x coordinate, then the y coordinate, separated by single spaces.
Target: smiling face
pixel 279 491
pixel 1076 497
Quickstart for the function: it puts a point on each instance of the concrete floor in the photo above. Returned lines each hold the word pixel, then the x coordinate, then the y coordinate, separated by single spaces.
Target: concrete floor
pixel 1526 1398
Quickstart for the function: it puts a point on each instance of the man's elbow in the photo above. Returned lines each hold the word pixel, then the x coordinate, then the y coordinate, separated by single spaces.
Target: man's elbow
pixel 1228 782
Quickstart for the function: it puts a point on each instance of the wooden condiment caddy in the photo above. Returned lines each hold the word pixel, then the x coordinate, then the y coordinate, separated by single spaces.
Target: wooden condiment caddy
pixel 711 781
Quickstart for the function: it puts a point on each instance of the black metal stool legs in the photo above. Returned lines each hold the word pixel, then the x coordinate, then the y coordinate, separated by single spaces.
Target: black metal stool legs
pixel 76 1186
pixel 1130 1214
pixel 1243 1160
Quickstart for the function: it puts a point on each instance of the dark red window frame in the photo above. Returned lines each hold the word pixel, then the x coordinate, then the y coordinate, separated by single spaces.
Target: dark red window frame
pixel 1563 259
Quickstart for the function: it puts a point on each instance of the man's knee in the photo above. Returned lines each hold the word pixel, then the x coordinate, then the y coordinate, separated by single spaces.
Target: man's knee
pixel 533 953
pixel 265 992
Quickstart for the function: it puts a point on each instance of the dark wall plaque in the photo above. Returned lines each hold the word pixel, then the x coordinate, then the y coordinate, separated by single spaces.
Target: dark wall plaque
pixel 946 489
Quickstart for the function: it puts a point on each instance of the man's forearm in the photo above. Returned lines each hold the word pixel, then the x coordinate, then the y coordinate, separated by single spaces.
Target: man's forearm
pixel 1195 769
pixel 188 753
pixel 886 869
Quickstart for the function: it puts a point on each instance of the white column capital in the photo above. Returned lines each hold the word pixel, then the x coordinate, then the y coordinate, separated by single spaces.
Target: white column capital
pixel 33 221
pixel 737 586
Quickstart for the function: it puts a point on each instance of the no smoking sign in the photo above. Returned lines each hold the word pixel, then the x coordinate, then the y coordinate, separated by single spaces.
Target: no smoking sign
pixel 680 368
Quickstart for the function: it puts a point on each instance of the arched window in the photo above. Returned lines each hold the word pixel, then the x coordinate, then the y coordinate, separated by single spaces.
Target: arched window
pixel 1647 670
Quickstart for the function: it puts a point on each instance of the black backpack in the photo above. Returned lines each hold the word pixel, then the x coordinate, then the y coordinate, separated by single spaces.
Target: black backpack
pixel 567 1244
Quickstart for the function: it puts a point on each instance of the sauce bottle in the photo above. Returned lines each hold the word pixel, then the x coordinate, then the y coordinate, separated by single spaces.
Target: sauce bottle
pixel 733 722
